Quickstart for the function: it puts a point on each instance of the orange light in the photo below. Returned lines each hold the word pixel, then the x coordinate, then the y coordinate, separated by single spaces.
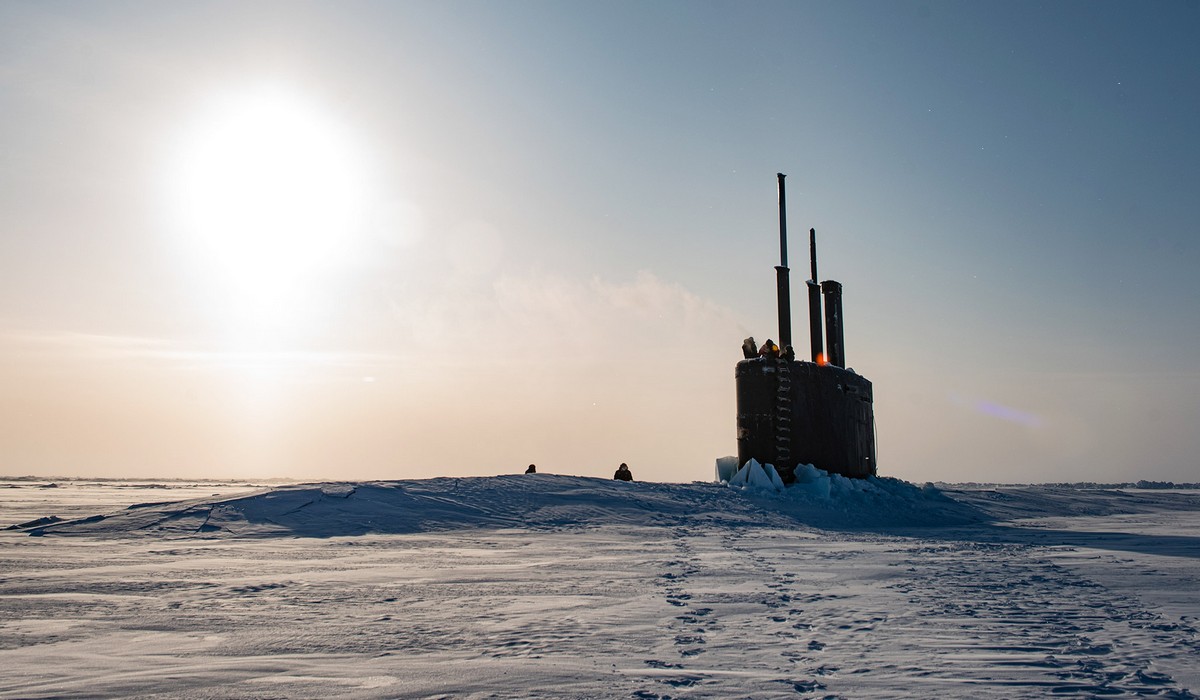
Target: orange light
pixel 821 360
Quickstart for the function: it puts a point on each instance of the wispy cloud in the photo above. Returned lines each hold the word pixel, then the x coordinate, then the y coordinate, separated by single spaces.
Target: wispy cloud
pixel 77 346
pixel 557 316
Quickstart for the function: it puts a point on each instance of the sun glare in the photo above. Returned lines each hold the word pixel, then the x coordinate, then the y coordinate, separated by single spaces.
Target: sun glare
pixel 268 192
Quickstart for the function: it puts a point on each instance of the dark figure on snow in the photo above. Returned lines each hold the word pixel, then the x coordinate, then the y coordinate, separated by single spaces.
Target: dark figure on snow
pixel 531 470
pixel 623 473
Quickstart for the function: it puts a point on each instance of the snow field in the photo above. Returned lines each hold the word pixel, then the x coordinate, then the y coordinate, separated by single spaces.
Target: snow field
pixel 610 590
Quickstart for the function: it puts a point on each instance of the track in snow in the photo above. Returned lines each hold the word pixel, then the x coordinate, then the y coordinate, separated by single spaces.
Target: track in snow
pixel 902 618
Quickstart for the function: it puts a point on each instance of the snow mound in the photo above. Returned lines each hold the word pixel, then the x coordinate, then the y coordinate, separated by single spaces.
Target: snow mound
pixel 754 497
pixel 831 500
pixel 533 501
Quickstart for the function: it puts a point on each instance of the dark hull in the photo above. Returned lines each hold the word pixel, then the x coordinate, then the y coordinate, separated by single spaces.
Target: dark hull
pixel 792 412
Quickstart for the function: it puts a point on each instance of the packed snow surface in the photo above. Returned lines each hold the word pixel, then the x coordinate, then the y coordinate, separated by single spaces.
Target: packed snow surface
pixel 567 587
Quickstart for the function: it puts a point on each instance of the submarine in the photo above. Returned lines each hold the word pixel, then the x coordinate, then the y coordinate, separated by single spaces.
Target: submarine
pixel 792 412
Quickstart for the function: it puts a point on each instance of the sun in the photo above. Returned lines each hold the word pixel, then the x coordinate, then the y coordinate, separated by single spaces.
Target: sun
pixel 268 193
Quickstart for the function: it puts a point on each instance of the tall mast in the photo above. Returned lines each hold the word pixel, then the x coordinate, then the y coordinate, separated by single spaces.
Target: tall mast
pixel 781 273
pixel 814 301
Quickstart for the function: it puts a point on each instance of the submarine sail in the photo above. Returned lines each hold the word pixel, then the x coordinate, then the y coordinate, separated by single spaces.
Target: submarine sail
pixel 792 412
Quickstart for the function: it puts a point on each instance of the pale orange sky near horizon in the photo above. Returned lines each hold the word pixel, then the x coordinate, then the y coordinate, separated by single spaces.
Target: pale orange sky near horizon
pixel 372 240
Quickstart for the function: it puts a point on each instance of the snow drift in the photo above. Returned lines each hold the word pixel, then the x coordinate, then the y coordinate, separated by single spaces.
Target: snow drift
pixel 529 501
pixel 753 498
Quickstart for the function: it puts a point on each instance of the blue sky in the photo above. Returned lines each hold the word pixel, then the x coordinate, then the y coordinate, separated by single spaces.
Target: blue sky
pixel 569 225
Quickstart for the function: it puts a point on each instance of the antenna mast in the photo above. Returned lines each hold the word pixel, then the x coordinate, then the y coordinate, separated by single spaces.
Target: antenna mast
pixel 814 301
pixel 781 273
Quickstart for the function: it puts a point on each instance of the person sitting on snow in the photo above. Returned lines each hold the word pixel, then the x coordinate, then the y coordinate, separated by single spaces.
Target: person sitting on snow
pixel 531 470
pixel 623 473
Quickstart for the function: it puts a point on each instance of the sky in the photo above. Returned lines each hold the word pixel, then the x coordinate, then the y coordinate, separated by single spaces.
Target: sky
pixel 363 240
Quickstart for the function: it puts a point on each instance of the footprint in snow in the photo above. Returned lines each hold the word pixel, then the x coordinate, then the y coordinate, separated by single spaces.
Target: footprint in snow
pixel 655 663
pixel 806 686
pixel 684 682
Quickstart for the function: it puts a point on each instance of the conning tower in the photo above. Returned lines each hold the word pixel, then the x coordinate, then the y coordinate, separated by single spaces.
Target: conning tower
pixel 792 412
